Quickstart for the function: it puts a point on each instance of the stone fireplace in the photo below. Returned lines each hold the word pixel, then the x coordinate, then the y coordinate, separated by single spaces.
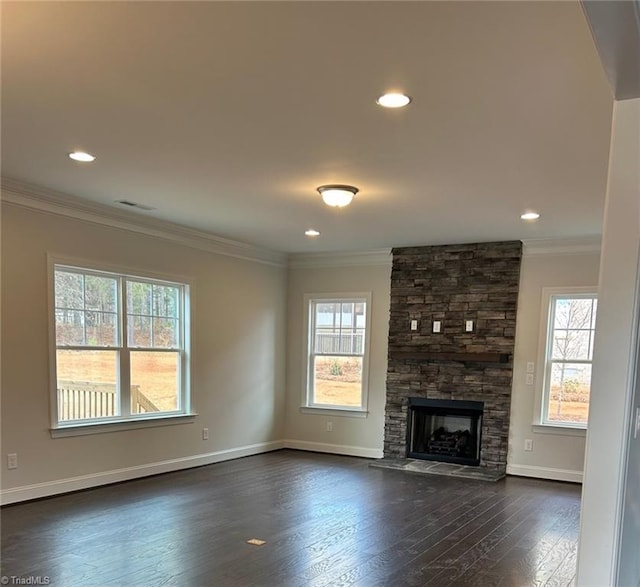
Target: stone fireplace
pixel 451 340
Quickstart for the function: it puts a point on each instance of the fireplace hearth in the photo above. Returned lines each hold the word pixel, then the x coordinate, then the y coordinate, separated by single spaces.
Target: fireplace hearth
pixel 448 431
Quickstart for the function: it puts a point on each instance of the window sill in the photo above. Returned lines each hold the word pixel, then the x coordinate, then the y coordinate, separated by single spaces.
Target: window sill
pixel 346 412
pixel 559 430
pixel 83 429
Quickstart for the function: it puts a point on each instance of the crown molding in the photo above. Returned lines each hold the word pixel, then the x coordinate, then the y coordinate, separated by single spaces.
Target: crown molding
pixel 588 245
pixel 49 201
pixel 26 195
pixel 531 248
pixel 358 259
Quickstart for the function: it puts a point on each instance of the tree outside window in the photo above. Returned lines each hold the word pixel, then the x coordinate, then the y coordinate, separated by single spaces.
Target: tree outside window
pixel 121 346
pixel 569 355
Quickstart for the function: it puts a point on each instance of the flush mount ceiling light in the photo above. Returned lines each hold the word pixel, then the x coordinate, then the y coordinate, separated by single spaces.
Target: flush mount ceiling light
pixel 393 100
pixel 312 232
pixel 530 216
pixel 82 156
pixel 337 195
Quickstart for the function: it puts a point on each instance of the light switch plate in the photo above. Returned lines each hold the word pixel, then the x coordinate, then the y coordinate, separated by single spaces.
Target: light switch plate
pixel 437 325
pixel 414 325
pixel 529 378
pixel 531 367
pixel 468 325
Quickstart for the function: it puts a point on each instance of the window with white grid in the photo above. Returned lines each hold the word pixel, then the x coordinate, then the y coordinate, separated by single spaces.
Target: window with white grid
pixel 337 354
pixel 121 346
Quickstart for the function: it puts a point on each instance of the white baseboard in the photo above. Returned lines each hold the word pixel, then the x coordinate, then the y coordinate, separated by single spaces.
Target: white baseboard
pixel 336 449
pixel 47 489
pixel 545 473
pixel 50 488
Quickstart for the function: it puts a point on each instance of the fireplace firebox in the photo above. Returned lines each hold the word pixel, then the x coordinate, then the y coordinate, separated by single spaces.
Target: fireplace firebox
pixel 445 430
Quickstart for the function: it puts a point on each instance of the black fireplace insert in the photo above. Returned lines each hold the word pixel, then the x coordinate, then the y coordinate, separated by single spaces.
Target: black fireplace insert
pixel 445 430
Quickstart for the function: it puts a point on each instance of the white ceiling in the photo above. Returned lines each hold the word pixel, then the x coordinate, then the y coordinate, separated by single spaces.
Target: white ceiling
pixel 225 116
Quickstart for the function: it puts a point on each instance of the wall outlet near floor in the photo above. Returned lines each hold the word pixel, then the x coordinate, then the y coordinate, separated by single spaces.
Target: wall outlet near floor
pixel 12 461
pixel 329 426
pixel 528 445
pixel 205 434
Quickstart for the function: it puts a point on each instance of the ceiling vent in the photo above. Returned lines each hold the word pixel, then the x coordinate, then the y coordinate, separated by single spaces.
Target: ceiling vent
pixel 134 205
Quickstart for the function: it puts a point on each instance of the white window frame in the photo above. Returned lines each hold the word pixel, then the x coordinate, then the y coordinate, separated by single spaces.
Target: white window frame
pixel 310 300
pixel 543 373
pixel 126 420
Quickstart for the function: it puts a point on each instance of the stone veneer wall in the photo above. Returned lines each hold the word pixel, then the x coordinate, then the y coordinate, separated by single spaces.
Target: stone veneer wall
pixel 453 283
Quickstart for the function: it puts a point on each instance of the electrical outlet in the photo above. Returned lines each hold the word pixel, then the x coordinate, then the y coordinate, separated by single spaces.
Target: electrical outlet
pixel 12 461
pixel 414 325
pixel 468 325
pixel 205 434
pixel 329 426
pixel 437 326
pixel 528 445
pixel 529 379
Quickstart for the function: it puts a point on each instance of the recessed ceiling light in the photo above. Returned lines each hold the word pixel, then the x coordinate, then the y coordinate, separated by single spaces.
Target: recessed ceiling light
pixel 337 195
pixel 82 156
pixel 393 100
pixel 530 216
pixel 312 232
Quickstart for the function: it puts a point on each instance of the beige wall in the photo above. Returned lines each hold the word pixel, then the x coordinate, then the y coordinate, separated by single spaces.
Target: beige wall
pixel 238 362
pixel 357 436
pixel 243 311
pixel 555 455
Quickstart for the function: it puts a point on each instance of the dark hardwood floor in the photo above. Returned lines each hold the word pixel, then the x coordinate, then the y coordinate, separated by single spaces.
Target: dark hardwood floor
pixel 327 520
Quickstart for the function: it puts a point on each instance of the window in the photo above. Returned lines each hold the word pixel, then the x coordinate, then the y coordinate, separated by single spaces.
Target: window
pixel 121 347
pixel 337 352
pixel 571 321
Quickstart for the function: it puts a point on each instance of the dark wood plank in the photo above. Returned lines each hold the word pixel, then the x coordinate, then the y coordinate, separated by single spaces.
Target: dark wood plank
pixel 514 560
pixel 327 520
